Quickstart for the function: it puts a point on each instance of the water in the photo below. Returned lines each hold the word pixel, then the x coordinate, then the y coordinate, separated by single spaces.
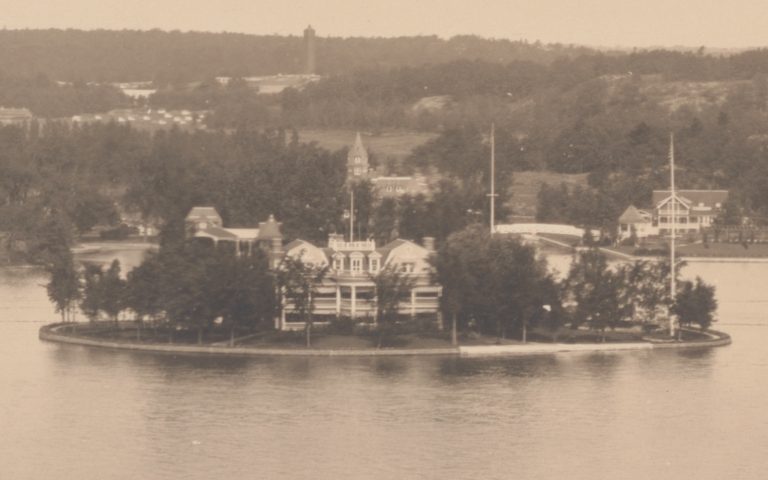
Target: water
pixel 70 412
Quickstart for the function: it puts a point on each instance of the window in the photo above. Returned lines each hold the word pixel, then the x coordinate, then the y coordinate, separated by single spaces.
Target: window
pixel 358 160
pixel 358 170
pixel 357 265
pixel 407 267
pixel 338 263
pixel 693 219
pixel 662 219
pixel 374 264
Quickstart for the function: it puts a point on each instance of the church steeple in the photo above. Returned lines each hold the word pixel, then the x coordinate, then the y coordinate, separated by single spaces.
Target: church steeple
pixel 357 160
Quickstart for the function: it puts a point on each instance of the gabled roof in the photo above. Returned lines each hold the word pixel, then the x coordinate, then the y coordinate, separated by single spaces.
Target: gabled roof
pixel 203 212
pixel 633 215
pixel 692 198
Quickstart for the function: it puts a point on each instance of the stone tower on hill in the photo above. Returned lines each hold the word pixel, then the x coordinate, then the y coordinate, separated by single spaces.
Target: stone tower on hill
pixel 357 160
pixel 309 42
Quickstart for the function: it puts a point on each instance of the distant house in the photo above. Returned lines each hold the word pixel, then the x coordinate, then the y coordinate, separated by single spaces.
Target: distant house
pixel 205 223
pixel 693 210
pixel 637 222
pixel 15 116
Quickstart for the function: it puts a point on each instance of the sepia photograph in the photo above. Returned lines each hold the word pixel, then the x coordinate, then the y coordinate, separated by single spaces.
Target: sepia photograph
pixel 425 239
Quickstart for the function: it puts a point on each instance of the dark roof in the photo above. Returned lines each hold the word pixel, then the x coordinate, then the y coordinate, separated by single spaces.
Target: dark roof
pixel 632 215
pixel 709 198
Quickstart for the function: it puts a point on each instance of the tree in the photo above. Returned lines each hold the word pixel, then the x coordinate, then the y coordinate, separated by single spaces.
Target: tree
pixel 90 302
pixel 517 286
pixel 391 286
pixel 298 282
pixel 595 290
pixel 242 290
pixel 495 281
pixel 64 285
pixel 143 290
pixel 695 303
pixel 112 291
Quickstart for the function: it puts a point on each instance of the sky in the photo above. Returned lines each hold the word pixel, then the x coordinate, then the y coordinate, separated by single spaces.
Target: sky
pixel 604 23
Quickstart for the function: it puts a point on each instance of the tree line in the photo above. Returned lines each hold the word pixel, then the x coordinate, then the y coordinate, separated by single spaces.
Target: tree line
pixel 48 99
pixel 174 56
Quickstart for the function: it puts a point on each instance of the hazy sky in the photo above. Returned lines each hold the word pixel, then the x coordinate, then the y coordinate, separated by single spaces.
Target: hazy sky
pixel 714 23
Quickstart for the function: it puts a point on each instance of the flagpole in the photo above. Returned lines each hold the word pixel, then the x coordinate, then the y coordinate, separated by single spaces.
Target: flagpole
pixel 672 285
pixel 352 214
pixel 493 179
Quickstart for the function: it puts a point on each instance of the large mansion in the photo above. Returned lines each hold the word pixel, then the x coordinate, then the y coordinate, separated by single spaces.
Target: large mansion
pixel 690 210
pixel 347 290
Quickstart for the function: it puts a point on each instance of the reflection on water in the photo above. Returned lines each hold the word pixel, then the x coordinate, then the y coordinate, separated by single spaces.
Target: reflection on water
pixel 75 412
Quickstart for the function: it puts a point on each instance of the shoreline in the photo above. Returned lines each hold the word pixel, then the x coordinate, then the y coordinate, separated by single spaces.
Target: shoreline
pixel 51 333
pixel 630 257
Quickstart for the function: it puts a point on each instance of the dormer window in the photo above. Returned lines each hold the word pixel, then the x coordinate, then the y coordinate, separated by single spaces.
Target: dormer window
pixel 356 265
pixel 374 265
pixel 338 263
pixel 358 160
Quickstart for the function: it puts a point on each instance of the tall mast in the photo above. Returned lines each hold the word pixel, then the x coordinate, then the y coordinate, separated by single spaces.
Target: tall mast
pixel 672 286
pixel 493 179
pixel 352 214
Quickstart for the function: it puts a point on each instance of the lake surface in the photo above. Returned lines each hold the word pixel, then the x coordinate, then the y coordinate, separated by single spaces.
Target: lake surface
pixel 69 412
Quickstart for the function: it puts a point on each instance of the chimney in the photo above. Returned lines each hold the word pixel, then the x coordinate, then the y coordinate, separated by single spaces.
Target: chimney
pixel 429 243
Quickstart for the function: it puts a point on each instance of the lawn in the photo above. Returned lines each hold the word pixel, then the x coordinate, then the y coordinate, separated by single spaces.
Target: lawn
pixel 526 186
pixel 713 250
pixel 752 250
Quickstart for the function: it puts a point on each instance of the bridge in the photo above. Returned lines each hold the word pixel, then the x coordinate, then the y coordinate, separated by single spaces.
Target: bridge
pixel 539 228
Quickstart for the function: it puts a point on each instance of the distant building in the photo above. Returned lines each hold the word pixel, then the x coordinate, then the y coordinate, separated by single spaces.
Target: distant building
pixel 398 186
pixel 694 210
pixel 205 223
pixel 357 160
pixel 15 116
pixel 358 168
pixel 637 222
pixel 309 43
